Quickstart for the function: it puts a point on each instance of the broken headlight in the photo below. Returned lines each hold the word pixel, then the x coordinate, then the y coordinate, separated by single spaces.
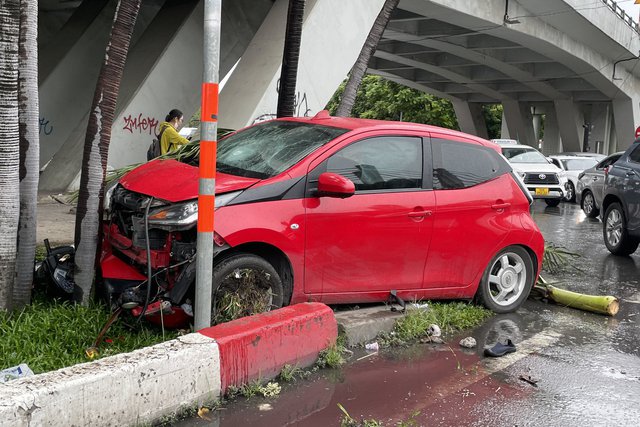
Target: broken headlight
pixel 185 213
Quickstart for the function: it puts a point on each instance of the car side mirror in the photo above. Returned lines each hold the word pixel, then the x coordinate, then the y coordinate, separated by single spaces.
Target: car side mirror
pixel 335 185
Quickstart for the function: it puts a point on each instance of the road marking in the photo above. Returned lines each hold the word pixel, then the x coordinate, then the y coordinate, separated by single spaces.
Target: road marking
pixel 543 339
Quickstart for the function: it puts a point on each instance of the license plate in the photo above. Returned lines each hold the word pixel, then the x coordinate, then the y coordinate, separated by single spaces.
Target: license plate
pixel 542 191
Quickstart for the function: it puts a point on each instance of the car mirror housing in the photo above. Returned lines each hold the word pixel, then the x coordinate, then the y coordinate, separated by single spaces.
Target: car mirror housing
pixel 335 185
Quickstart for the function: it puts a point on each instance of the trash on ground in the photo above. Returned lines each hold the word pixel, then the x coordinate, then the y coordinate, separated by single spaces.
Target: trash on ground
pixel 468 342
pixel 434 331
pixel 204 413
pixel 419 306
pixel 608 305
pixel 529 379
pixel 500 349
pixel 374 346
pixel 15 372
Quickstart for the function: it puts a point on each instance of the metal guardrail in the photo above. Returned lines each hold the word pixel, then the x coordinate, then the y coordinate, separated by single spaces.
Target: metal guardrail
pixel 623 15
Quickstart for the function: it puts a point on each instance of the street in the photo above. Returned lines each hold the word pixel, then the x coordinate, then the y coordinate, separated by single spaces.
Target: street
pixel 571 368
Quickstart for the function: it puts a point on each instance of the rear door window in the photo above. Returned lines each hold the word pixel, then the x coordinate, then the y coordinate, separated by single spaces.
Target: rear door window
pixel 381 163
pixel 462 165
pixel 635 155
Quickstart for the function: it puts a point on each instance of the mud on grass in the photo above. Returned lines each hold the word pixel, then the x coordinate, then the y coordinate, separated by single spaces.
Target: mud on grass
pixel 49 335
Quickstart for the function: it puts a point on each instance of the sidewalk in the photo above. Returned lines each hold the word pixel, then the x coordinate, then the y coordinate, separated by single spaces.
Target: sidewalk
pixel 56 220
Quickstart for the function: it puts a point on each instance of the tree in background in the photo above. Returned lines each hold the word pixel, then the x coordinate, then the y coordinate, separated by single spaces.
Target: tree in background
pixel 28 106
pixel 382 99
pixel 96 148
pixel 357 73
pixel 9 148
pixel 290 55
pixel 492 114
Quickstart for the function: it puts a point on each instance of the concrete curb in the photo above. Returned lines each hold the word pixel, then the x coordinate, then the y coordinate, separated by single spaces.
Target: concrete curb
pixel 144 385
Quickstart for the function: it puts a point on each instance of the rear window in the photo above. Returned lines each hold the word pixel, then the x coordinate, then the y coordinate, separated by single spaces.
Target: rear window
pixel 270 148
pixel 578 164
pixel 635 154
pixel 462 165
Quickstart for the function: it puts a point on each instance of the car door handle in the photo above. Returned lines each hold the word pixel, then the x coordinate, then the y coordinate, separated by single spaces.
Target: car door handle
pixel 630 173
pixel 420 214
pixel 500 206
pixel 595 178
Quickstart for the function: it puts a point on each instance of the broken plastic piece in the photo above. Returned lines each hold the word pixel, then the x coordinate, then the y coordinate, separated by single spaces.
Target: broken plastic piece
pixel 500 349
pixel 468 342
pixel 374 346
pixel 22 370
pixel 434 330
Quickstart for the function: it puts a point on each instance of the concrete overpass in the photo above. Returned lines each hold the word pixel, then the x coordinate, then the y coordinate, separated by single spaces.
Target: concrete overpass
pixel 551 59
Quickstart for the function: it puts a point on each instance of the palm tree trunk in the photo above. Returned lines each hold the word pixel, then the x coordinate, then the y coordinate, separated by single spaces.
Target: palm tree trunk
pixel 96 148
pixel 29 150
pixel 289 72
pixel 360 67
pixel 9 147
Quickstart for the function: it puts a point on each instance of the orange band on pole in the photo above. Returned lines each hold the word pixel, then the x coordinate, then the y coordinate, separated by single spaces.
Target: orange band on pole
pixel 206 205
pixel 208 159
pixel 209 107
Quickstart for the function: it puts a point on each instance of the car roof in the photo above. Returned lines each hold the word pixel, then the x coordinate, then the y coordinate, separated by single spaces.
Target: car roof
pixel 323 118
pixel 565 157
pixel 518 146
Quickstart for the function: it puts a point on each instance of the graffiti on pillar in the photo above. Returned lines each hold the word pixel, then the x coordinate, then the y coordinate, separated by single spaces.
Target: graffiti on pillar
pixel 45 126
pixel 140 124
pixel 300 108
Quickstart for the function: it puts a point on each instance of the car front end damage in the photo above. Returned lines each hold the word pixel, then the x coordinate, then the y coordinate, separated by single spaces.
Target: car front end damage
pixel 148 255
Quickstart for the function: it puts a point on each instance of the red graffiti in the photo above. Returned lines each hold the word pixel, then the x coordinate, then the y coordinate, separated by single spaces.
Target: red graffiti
pixel 140 124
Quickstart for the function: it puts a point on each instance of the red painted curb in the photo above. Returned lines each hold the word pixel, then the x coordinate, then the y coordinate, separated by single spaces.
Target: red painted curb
pixel 257 347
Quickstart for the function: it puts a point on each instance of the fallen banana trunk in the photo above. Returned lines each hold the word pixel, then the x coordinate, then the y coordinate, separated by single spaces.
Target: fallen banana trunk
pixel 595 303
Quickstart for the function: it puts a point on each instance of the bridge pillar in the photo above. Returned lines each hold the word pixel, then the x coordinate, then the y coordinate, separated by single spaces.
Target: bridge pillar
pixel 551 136
pixel 569 124
pixel 470 118
pixel 519 122
pixel 626 117
pixel 600 120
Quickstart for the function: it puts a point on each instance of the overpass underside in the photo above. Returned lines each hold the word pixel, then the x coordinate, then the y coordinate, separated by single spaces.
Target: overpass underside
pixel 545 61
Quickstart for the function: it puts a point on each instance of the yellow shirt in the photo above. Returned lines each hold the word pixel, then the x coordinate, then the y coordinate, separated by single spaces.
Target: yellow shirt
pixel 170 139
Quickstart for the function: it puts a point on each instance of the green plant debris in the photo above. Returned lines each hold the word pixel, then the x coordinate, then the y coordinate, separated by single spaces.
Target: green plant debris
pixel 48 335
pixel 254 388
pixel 348 421
pixel 290 373
pixel 557 258
pixel 451 317
pixel 332 357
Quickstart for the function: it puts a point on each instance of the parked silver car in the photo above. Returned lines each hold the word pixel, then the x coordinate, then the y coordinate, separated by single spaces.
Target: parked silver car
pixel 590 188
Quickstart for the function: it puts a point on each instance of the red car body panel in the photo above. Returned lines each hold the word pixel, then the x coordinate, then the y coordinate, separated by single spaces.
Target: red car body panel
pixel 423 243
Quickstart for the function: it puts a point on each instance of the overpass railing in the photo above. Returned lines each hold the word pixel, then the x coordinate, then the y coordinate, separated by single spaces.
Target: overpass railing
pixel 622 14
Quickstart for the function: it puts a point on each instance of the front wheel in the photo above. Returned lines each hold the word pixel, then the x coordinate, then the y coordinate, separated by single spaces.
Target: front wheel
pixel 552 202
pixel 614 230
pixel 589 205
pixel 571 193
pixel 244 284
pixel 507 281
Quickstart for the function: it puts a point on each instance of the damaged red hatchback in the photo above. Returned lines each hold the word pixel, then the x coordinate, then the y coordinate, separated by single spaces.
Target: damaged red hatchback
pixel 326 209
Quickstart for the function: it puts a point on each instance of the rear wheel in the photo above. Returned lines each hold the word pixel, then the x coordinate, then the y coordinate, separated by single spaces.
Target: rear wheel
pixel 589 205
pixel 552 202
pixel 614 230
pixel 507 281
pixel 244 284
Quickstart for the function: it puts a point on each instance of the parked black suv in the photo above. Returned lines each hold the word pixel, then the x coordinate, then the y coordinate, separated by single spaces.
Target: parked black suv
pixel 621 203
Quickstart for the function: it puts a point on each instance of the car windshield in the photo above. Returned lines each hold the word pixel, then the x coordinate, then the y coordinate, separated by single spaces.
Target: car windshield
pixel 270 148
pixel 523 155
pixel 579 164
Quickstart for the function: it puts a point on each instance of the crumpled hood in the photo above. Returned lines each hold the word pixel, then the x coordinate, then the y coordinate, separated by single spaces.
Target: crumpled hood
pixel 174 181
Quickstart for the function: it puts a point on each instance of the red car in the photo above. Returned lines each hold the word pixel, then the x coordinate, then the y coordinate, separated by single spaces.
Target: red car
pixel 326 209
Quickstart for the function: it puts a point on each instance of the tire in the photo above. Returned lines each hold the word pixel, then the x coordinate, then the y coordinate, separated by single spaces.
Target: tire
pixel 614 231
pixel 507 281
pixel 552 202
pixel 571 193
pixel 588 205
pixel 243 285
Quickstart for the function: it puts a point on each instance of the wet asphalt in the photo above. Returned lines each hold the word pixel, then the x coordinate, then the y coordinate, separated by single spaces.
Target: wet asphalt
pixel 571 368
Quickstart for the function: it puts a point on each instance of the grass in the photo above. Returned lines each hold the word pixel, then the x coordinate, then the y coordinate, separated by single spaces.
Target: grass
pixel 48 335
pixel 451 317
pixel 254 388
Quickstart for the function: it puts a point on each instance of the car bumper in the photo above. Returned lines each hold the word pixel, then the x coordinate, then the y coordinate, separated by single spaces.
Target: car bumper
pixel 538 192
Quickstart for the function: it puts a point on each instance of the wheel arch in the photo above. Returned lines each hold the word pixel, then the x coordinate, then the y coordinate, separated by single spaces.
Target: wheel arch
pixel 609 199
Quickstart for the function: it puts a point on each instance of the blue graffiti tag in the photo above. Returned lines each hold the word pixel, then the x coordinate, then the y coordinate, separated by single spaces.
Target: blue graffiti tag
pixel 45 126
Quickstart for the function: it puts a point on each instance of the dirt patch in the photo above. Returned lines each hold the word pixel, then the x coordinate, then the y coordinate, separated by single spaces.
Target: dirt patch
pixel 56 220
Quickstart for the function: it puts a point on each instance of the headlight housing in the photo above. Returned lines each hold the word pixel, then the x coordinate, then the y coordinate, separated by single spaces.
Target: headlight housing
pixel 185 214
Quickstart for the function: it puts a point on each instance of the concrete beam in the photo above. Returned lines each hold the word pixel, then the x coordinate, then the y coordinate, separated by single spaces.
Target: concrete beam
pixel 470 118
pixel 552 143
pixel 569 124
pixel 520 122
pixel 410 83
pixel 601 121
pixel 626 116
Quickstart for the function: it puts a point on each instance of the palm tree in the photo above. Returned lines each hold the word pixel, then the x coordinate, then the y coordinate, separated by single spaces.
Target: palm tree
pixel 360 67
pixel 289 72
pixel 29 150
pixel 96 148
pixel 9 147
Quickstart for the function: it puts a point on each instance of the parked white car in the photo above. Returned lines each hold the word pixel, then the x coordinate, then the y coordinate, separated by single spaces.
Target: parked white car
pixel 573 166
pixel 543 179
